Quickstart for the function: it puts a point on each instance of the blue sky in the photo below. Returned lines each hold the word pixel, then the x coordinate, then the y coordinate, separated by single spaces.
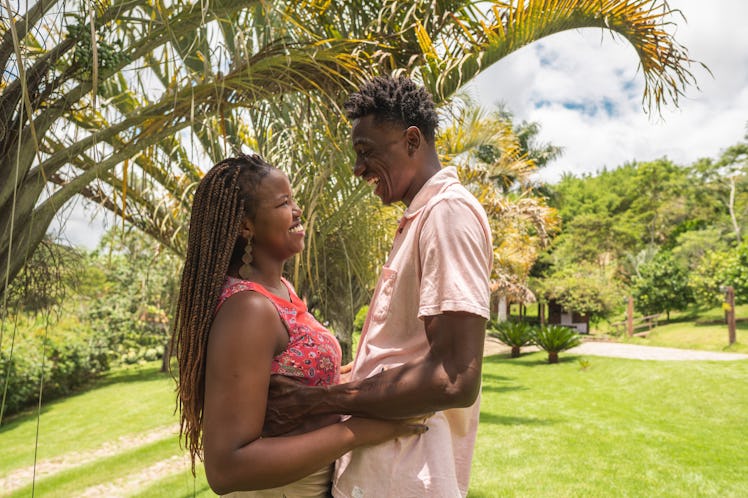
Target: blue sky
pixel 585 90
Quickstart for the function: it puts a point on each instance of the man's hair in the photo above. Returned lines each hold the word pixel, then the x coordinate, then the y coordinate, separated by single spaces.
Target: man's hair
pixel 396 100
pixel 225 196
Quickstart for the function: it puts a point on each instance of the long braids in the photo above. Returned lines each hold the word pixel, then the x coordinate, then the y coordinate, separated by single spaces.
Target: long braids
pixel 223 198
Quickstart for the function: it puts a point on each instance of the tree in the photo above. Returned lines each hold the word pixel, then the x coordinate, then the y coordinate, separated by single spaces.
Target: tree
pixel 521 222
pixel 661 285
pixel 584 288
pixel 718 270
pixel 73 111
pixel 724 183
pixel 658 202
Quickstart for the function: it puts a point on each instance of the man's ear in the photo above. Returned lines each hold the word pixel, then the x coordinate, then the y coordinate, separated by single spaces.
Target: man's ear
pixel 414 137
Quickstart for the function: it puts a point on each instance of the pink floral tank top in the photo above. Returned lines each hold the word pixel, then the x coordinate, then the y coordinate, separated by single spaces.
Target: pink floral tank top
pixel 313 354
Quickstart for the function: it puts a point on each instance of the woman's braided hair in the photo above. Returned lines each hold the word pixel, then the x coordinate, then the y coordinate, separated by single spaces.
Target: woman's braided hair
pixel 223 199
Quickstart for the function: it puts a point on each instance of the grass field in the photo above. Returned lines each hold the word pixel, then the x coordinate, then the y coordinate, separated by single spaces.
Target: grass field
pixel 697 329
pixel 602 427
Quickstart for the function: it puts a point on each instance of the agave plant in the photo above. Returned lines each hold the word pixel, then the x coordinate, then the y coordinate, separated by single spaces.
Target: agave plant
pixel 555 338
pixel 513 334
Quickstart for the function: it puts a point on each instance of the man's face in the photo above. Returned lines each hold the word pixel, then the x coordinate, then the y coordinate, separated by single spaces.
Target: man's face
pixel 382 158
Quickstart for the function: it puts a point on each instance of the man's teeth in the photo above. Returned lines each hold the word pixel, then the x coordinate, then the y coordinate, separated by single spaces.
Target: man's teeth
pixel 297 228
pixel 373 180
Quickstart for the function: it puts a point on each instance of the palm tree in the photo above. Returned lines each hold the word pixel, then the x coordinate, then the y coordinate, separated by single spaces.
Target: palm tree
pixel 522 223
pixel 83 111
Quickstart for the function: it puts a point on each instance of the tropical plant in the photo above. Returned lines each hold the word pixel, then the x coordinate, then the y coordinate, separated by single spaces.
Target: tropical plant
pixel 513 334
pixel 521 222
pixel 555 338
pixel 74 111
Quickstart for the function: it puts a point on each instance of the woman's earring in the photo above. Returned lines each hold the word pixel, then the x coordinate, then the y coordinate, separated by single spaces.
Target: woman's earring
pixel 245 271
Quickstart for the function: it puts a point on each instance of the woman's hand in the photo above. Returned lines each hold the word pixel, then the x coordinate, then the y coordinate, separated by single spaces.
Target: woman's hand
pixel 345 373
pixel 370 431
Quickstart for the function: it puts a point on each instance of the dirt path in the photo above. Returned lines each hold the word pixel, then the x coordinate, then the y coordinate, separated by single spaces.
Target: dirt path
pixel 632 351
pixel 44 468
pixel 137 481
pixel 637 352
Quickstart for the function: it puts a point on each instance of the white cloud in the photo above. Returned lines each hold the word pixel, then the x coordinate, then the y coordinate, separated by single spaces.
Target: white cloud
pixel 565 82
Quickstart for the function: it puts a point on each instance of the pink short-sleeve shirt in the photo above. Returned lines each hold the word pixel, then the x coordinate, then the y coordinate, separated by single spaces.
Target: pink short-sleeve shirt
pixel 440 262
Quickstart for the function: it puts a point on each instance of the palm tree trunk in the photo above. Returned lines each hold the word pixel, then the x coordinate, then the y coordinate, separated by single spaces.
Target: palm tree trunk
pixel 552 357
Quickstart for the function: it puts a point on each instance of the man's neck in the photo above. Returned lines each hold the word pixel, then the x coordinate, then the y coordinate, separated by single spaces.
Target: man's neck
pixel 429 168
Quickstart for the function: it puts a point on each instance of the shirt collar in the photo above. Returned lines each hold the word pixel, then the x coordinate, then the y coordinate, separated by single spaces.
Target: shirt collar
pixel 435 185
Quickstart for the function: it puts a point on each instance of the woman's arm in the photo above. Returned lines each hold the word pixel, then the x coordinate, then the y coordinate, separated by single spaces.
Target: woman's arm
pixel 246 334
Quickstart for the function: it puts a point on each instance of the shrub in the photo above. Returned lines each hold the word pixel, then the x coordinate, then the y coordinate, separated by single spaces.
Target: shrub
pixel 66 354
pixel 513 334
pixel 554 338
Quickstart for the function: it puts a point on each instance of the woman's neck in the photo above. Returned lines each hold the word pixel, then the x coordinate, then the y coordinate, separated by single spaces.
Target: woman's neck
pixel 266 273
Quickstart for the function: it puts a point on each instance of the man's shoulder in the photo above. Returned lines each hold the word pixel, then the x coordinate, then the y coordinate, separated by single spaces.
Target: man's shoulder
pixel 457 201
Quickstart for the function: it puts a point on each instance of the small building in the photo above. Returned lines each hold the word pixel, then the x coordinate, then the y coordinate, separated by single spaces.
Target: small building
pixel 557 315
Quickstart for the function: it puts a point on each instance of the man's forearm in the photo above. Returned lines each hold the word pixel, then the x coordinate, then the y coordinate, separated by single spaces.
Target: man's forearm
pixel 409 390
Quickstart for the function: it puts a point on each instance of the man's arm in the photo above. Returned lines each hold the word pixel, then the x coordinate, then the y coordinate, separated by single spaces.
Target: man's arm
pixel 447 376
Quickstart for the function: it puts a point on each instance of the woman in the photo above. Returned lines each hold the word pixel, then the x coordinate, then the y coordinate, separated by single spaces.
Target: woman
pixel 237 322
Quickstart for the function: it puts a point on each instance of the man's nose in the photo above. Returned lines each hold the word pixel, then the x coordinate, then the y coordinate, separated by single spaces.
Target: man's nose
pixel 358 169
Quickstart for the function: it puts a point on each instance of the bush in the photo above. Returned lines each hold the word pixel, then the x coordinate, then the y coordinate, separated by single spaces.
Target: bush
pixel 513 334
pixel 68 352
pixel 554 338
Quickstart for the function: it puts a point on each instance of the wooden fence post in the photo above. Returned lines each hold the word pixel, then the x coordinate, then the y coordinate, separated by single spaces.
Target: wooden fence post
pixel 730 312
pixel 630 317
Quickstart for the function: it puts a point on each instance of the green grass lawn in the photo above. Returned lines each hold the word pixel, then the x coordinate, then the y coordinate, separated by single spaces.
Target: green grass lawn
pixel 615 428
pixel 695 329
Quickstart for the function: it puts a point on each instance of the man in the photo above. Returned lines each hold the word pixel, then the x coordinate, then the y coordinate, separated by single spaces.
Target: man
pixel 421 347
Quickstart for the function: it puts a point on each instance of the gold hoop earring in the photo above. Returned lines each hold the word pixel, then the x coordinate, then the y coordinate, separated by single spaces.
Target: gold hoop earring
pixel 245 270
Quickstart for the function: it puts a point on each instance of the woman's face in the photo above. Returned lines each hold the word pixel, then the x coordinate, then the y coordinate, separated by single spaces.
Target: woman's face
pixel 277 228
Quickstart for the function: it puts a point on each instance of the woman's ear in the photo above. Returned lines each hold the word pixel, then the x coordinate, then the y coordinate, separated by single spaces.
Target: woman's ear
pixel 247 229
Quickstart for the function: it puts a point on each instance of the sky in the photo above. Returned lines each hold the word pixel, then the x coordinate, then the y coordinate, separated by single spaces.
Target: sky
pixel 585 90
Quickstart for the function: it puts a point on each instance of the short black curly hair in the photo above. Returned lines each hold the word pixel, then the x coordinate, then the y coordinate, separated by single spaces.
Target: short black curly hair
pixel 397 100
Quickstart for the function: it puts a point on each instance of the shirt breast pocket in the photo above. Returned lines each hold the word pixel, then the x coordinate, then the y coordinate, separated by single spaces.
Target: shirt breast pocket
pixel 381 305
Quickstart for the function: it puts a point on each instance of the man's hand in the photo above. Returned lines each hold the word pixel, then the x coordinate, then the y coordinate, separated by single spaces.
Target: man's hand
pixel 288 408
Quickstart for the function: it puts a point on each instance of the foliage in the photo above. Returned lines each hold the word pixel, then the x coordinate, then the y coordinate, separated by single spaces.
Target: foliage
pixel 97 129
pixel 720 269
pixel 661 285
pixel 620 211
pixel 131 308
pixel 521 222
pixel 584 288
pixel 48 356
pixel 513 334
pixel 555 338
pixel 46 280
